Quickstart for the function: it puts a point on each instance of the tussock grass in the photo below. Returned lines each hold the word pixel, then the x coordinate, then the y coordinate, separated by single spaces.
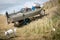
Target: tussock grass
pixel 36 29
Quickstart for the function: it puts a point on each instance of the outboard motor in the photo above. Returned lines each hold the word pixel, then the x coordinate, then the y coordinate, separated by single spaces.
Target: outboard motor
pixel 7 16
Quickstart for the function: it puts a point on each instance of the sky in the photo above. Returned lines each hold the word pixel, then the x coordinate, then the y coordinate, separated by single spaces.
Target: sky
pixel 11 5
